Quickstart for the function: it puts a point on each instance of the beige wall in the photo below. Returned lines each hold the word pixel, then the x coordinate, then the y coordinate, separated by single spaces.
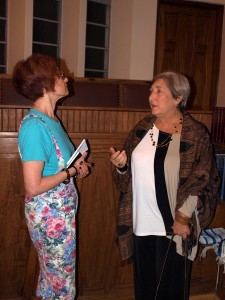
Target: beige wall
pixel 143 41
pixel 19 31
pixel 132 39
pixel 73 36
pixel 120 38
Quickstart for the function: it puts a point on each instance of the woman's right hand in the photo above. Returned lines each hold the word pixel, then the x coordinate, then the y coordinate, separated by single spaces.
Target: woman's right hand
pixel 118 158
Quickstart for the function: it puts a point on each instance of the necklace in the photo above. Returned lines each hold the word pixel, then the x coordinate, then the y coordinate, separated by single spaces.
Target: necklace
pixel 179 123
pixel 166 142
pixel 163 143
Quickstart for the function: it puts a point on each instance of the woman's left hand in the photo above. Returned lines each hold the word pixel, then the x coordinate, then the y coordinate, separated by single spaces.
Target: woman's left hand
pixel 182 230
pixel 83 167
pixel 181 225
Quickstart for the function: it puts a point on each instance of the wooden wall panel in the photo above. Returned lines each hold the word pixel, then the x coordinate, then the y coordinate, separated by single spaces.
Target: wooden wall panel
pixel 97 217
pixel 218 128
pixel 99 267
pixel 89 120
pixel 10 117
pixel 14 239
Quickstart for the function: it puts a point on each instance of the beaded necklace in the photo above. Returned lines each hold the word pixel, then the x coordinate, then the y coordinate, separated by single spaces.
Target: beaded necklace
pixel 166 142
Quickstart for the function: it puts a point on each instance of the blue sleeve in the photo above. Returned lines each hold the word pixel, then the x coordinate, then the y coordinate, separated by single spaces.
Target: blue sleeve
pixel 35 141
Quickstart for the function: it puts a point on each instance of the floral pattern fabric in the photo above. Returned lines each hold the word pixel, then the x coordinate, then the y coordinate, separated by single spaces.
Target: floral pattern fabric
pixel 51 223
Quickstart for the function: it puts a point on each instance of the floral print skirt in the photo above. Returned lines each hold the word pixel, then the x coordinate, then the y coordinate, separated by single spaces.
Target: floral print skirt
pixel 51 224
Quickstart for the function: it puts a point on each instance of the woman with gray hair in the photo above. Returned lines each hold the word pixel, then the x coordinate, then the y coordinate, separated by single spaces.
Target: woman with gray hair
pixel 167 178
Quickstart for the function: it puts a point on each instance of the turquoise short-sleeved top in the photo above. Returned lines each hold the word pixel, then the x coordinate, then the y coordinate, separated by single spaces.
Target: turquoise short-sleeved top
pixel 36 143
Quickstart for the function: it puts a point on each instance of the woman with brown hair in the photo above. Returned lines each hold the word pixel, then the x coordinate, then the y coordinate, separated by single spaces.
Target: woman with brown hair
pixel 51 197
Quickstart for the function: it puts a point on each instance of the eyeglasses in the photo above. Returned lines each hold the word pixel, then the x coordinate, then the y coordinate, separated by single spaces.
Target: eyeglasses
pixel 61 75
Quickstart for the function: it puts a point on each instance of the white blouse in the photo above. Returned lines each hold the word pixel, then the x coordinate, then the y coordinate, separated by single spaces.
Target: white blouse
pixel 147 219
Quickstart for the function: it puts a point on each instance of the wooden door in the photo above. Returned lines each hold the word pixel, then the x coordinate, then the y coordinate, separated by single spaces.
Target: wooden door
pixel 188 40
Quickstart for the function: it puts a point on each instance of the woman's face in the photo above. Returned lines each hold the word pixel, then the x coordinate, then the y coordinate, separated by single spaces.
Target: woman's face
pixel 61 89
pixel 160 99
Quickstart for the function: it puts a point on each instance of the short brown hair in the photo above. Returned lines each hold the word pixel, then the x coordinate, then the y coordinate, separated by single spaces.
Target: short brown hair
pixel 34 75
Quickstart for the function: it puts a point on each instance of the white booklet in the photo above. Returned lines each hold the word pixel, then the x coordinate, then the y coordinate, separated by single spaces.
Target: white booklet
pixel 79 151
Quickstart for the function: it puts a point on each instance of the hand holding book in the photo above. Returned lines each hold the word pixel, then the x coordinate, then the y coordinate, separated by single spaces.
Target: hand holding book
pixel 83 147
pixel 78 158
